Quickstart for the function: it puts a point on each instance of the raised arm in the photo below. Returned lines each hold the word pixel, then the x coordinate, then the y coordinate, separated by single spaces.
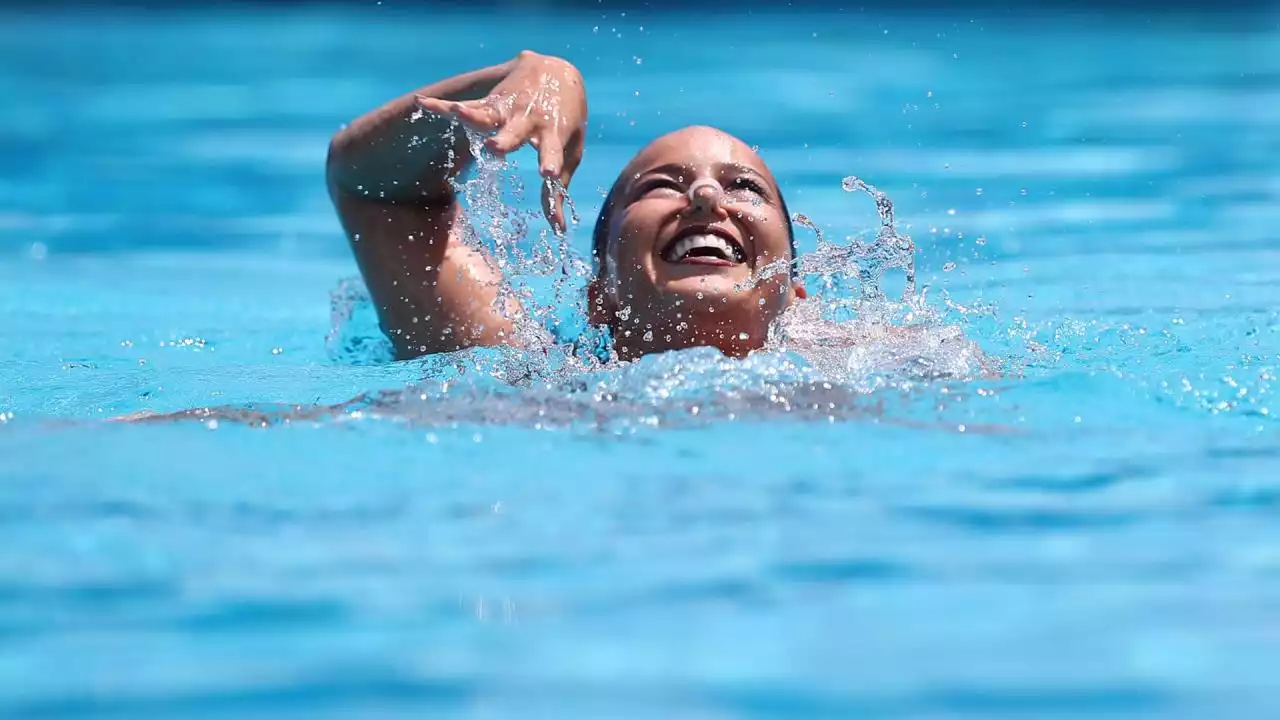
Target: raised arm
pixel 389 176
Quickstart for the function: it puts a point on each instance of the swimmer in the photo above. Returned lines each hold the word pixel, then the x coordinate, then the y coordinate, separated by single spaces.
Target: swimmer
pixel 688 223
pixel 687 246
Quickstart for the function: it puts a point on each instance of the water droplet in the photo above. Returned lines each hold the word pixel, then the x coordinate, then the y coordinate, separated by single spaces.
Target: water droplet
pixel 979 191
pixel 949 267
pixel 276 350
pixel 648 336
pixel 951 211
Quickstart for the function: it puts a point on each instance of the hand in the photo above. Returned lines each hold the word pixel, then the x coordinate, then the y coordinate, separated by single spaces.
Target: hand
pixel 541 102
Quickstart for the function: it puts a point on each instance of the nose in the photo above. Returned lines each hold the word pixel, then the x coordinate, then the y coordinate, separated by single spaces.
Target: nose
pixel 705 197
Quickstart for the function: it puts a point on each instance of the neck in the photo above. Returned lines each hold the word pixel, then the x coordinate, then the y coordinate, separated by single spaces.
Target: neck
pixel 727 340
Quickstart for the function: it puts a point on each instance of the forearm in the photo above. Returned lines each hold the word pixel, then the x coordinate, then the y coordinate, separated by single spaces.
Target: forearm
pixel 389 178
pixel 397 152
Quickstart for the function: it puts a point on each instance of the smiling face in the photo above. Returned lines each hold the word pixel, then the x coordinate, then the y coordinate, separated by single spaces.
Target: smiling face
pixel 689 223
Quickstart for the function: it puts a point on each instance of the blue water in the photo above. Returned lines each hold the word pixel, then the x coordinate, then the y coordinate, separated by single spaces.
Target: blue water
pixel 1091 534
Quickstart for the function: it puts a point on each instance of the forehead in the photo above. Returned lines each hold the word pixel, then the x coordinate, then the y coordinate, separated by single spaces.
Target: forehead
pixel 695 149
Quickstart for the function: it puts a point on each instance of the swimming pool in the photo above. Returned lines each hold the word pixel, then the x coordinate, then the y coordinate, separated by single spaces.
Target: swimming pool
pixel 1093 533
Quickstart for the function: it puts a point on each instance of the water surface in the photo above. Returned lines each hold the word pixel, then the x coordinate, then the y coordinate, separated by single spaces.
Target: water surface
pixel 1093 533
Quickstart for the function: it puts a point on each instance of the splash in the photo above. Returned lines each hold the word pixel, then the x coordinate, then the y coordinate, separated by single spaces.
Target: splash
pixel 354 337
pixel 888 251
pixel 541 270
pixel 851 329
pixel 850 335
pixel 858 268
pixel 866 262
pixel 505 387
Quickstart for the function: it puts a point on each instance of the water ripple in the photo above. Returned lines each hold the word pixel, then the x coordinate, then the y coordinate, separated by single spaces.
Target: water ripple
pixel 1076 483
pixel 354 687
pixel 1018 520
pixel 841 571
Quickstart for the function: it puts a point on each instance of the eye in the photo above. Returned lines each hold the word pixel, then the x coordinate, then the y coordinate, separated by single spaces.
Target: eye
pixel 745 183
pixel 659 183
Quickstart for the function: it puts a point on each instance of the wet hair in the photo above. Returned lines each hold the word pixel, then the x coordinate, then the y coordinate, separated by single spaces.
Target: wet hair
pixel 600 235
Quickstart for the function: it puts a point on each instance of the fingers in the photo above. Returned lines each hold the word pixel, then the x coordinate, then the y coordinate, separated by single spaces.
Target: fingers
pixel 557 160
pixel 476 114
pixel 511 137
pixel 435 105
pixel 551 167
pixel 553 205
pixel 550 157
pixel 556 164
pixel 483 115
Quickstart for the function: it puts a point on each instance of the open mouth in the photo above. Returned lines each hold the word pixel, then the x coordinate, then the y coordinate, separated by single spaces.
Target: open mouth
pixel 704 246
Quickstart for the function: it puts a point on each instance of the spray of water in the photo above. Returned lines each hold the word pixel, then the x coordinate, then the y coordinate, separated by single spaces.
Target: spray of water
pixel 857 268
pixel 850 328
pixel 849 338
pixel 541 270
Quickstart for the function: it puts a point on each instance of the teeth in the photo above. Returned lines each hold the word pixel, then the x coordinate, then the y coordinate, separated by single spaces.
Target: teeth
pixel 688 244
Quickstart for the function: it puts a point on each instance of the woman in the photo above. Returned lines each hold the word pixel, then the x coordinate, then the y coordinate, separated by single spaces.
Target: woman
pixel 692 243
pixel 690 221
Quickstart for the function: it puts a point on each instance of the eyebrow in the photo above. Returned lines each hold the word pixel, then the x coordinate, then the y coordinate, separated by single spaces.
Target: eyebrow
pixel 678 169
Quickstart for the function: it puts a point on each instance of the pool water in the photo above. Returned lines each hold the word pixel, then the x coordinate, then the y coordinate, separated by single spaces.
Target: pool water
pixel 1094 201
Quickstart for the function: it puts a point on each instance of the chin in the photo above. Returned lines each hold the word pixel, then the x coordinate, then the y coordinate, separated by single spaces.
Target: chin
pixel 710 285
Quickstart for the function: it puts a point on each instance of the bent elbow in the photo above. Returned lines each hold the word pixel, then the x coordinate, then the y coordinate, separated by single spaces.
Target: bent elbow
pixel 334 160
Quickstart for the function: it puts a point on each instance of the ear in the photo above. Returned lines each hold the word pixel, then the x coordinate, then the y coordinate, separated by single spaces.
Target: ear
pixel 600 306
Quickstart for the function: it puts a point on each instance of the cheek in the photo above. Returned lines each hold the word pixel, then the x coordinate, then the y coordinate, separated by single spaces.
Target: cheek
pixel 636 250
pixel 768 229
pixel 632 270
pixel 771 242
pixel 632 282
pixel 635 240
